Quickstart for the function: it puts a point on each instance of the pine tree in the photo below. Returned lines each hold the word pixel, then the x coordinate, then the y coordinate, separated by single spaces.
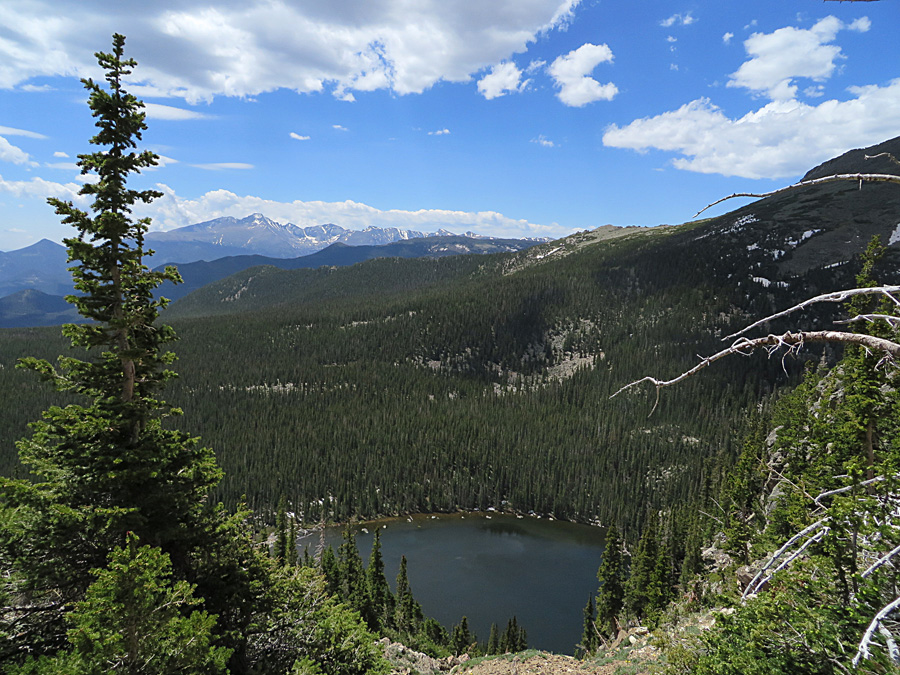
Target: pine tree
pixel 104 466
pixel 354 589
pixel 643 592
pixel 610 598
pixel 493 645
pixel 407 612
pixel 379 592
pixel 589 630
pixel 135 619
pixel 281 531
pixel 461 639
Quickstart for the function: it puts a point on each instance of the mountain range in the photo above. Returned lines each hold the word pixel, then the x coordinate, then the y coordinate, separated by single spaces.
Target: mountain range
pixel 34 279
pixel 258 235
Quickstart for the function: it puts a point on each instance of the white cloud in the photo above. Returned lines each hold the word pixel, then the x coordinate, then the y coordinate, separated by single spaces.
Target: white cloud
pixel 861 25
pixel 41 189
pixel 540 140
pixel 196 50
pixel 778 58
pixel 298 137
pixel 171 211
pixel 12 131
pixel 678 20
pixel 571 74
pixel 503 78
pixel 671 39
pixel 223 166
pixel 157 111
pixel 338 127
pixel 13 154
pixel 60 154
pixel 439 132
pixel 782 139
pixel 727 38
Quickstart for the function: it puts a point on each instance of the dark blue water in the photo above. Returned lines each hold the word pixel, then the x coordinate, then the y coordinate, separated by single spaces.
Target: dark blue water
pixel 491 568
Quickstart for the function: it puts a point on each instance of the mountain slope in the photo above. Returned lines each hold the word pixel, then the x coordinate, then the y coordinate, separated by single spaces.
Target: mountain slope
pixel 41 266
pixel 201 273
pixel 400 385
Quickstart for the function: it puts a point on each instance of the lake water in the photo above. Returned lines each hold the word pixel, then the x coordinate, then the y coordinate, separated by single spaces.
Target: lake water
pixel 491 567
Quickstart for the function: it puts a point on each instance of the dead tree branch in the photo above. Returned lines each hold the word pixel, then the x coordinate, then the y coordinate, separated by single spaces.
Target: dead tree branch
pixel 860 177
pixel 793 341
pixel 837 296
pixel 862 651
pixel 754 583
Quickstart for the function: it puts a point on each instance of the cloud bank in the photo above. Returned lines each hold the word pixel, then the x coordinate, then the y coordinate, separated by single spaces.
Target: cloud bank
pixel 196 50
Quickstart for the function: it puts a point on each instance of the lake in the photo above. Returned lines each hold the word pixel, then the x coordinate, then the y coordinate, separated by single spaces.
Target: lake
pixel 491 567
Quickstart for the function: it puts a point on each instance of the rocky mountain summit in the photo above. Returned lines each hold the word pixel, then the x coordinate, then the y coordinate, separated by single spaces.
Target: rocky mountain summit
pixel 256 234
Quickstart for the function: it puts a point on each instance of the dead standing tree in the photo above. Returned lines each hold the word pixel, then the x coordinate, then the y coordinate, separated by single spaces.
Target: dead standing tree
pixel 791 342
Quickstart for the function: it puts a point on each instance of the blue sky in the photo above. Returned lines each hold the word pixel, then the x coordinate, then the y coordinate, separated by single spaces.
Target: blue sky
pixel 508 118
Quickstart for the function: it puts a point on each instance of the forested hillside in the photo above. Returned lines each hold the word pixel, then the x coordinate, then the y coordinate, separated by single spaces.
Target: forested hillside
pixel 417 385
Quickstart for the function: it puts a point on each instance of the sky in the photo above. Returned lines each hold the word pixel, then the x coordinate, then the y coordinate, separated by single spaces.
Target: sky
pixel 508 118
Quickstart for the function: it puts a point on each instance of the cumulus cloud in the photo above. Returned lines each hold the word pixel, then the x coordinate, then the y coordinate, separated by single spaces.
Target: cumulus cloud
pixel 41 189
pixel 13 154
pixel 60 154
pixel 782 139
pixel 503 79
pixel 778 58
pixel 571 75
pixel 540 140
pixel 678 20
pixel 727 38
pixel 196 50
pixel 157 111
pixel 439 132
pixel 172 210
pixel 338 127
pixel 298 137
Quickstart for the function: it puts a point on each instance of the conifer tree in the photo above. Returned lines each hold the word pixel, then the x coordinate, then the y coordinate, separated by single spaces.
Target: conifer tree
pixel 135 619
pixel 461 639
pixel 589 629
pixel 610 598
pixel 354 589
pixel 281 530
pixel 493 645
pixel 379 592
pixel 103 466
pixel 407 612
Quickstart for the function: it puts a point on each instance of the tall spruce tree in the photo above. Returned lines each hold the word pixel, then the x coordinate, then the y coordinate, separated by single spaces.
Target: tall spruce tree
pixel 105 465
pixel 610 597
pixel 379 592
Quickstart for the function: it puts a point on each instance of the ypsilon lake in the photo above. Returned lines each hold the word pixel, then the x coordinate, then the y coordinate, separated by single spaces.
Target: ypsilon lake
pixel 491 567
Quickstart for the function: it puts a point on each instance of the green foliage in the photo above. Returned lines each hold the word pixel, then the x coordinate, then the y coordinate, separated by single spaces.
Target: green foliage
pixel 104 465
pixel 611 596
pixel 831 464
pixel 308 630
pixel 461 638
pixel 136 619
pixel 649 585
pixel 382 600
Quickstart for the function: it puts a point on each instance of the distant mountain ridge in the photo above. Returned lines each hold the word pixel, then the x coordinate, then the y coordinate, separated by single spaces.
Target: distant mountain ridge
pixel 210 251
pixel 258 235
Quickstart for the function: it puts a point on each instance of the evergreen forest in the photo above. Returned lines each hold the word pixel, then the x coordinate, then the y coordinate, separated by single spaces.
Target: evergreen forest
pixel 138 503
